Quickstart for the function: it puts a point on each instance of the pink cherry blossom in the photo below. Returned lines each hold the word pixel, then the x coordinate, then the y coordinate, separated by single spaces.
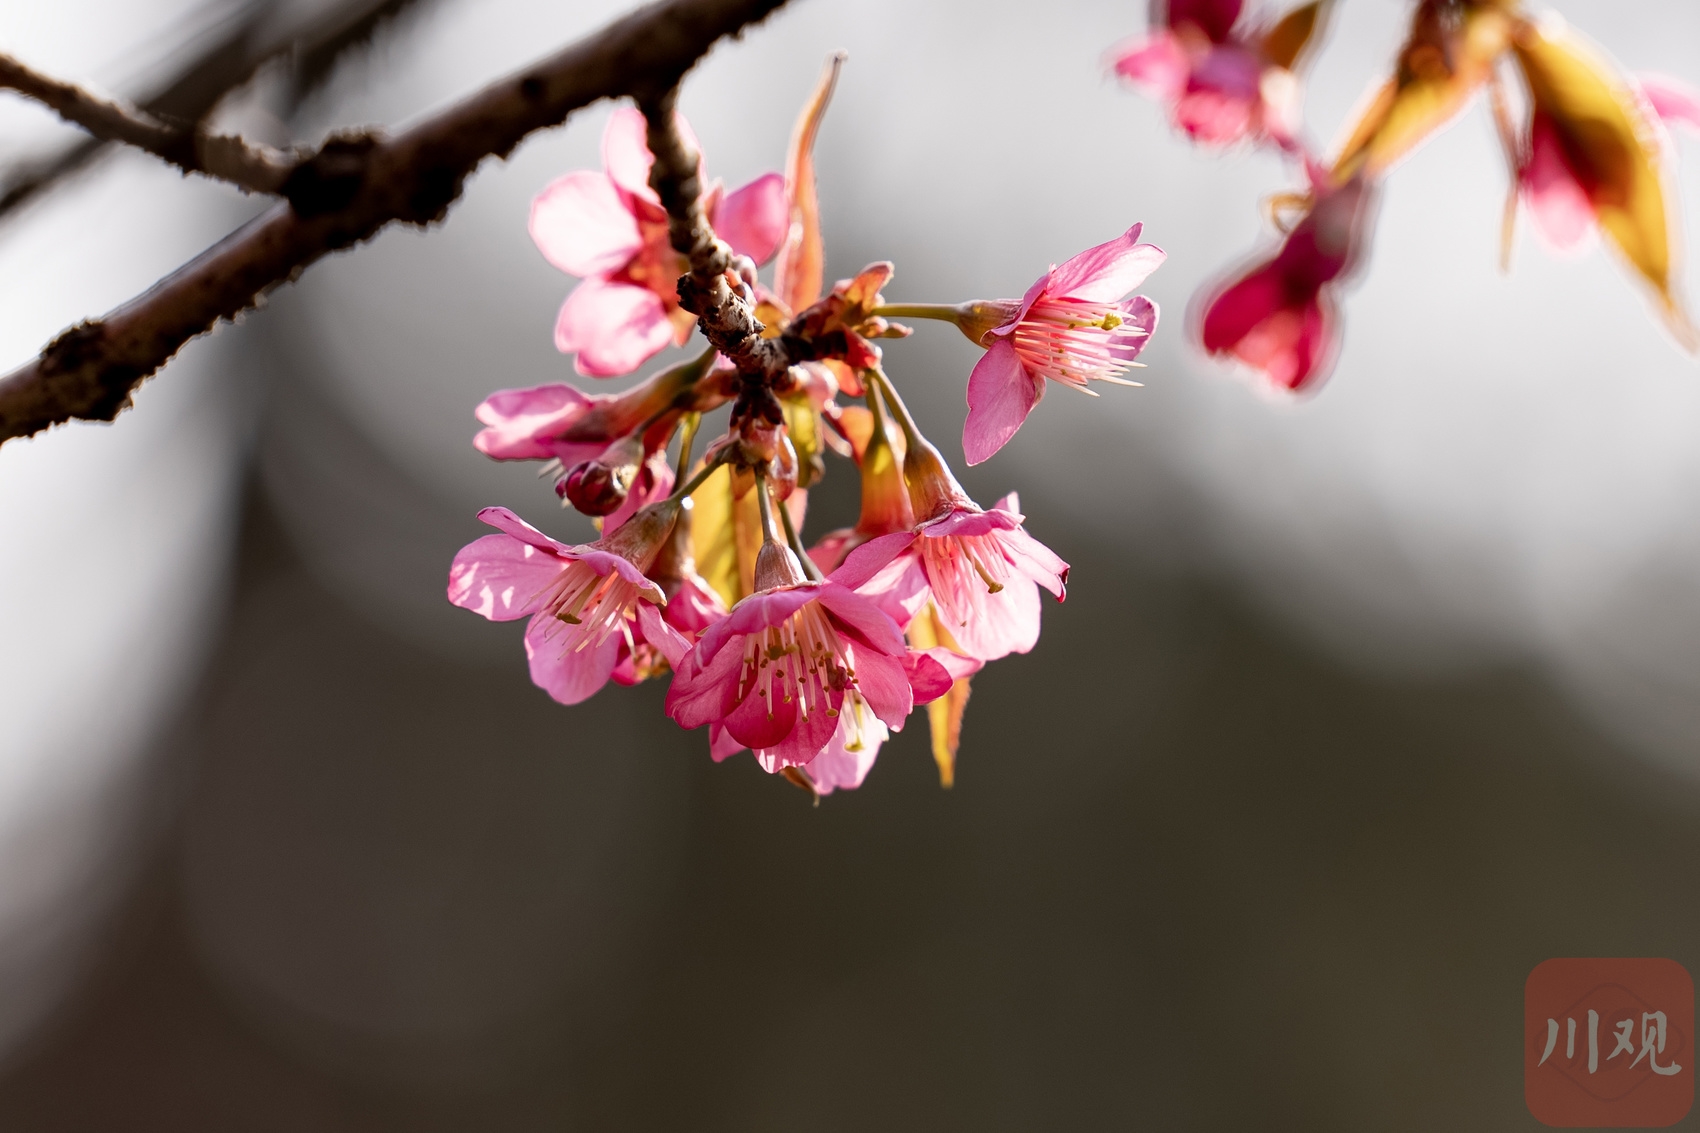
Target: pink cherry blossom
pixel 848 757
pixel 790 666
pixel 1279 318
pixel 609 228
pixel 1075 325
pixel 588 605
pixel 1213 74
pixel 980 568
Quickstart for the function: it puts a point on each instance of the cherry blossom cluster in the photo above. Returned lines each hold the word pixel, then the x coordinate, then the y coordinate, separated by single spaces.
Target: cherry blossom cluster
pixel 1586 145
pixel 806 653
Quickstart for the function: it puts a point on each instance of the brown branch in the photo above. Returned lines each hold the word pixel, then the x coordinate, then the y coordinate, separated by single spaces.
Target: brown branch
pixel 223 156
pixel 249 40
pixel 345 193
pixel 712 290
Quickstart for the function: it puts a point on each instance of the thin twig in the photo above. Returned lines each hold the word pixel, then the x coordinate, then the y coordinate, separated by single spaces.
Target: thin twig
pixel 352 187
pixel 247 41
pixel 228 158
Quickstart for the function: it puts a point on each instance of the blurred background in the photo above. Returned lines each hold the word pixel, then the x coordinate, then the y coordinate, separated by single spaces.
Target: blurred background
pixel 1361 706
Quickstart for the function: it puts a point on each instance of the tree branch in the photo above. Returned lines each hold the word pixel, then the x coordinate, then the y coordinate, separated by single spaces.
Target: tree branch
pixel 250 39
pixel 712 291
pixel 258 168
pixel 352 187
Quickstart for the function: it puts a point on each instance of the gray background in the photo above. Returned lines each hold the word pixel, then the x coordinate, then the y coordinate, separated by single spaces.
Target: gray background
pixel 1360 707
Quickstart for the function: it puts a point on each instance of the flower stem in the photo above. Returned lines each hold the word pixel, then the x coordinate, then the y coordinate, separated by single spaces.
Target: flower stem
pixel 944 312
pixel 764 504
pixel 809 567
pixel 687 441
pixel 911 433
pixel 696 481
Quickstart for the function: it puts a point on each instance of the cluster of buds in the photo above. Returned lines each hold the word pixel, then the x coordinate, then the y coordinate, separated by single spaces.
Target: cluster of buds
pixel 1585 143
pixel 808 655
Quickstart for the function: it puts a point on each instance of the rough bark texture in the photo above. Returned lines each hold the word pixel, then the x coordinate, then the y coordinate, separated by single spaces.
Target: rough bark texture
pixel 352 187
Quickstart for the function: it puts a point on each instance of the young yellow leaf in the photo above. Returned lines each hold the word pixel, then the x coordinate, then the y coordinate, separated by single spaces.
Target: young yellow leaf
pixel 1444 62
pixel 1611 143
pixel 801 267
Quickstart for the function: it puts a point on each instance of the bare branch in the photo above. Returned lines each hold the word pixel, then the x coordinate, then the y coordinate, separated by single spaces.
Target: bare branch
pixel 228 158
pixel 247 42
pixel 352 187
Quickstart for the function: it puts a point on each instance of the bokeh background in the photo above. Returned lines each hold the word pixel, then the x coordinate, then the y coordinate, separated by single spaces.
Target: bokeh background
pixel 1361 705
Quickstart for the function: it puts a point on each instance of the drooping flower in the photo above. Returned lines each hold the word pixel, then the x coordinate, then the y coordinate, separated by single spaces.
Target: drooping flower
pixel 981 569
pixel 1075 325
pixel 1224 78
pixel 609 228
pixel 589 606
pixel 792 664
pixel 1279 318
pixel 560 422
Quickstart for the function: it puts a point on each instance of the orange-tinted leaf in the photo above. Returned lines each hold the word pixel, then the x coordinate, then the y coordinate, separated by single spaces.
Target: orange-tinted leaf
pixel 858 425
pixel 1285 43
pixel 803 425
pixel 712 536
pixel 1611 142
pixel 801 267
pixel 944 715
pixel 1442 65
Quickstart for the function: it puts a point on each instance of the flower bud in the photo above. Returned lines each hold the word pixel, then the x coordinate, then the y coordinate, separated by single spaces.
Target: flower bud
pixel 592 488
pixel 600 486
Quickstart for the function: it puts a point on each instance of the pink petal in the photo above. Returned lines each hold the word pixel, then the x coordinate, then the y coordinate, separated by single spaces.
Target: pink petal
pixel 703 689
pixel 1673 100
pixel 625 151
pixel 1557 201
pixel 870 558
pixel 720 744
pixel 521 421
pixel 500 577
pixel 1010 624
pixel 1242 306
pixel 757 724
pixel 504 520
pixel 695 607
pixel 808 736
pixel 971 521
pixel 884 684
pixel 1214 117
pixel 672 644
pixel 1107 272
pixel 899 590
pixel 581 225
pixel 927 676
pixel 1158 63
pixel 862 621
pixel 613 327
pixel 836 768
pixel 1215 18
pixel 755 219
pixel 752 614
pixel 569 676
pixel 1001 393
